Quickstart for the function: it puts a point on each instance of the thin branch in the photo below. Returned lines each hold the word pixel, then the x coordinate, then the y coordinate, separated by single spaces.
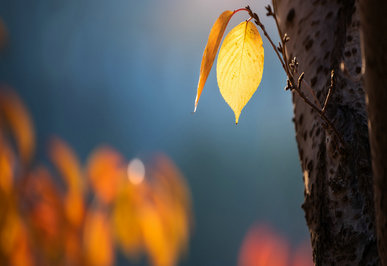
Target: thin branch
pixel 290 81
pixel 258 22
pixel 300 78
pixel 331 87
pixel 322 115
pixel 282 37
pixel 317 102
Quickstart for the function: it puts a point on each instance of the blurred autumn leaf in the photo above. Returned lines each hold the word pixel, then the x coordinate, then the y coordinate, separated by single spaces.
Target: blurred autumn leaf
pixel 15 245
pixel 98 242
pixel 18 122
pixel 127 228
pixel 105 168
pixel 67 163
pixel 262 246
pixel 7 160
pixel 43 212
pixel 105 205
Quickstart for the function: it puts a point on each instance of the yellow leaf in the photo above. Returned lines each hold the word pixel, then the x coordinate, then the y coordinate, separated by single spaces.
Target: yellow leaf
pixel 212 46
pixel 240 66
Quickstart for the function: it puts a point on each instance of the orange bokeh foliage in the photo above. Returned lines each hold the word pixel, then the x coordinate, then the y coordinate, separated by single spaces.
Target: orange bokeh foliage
pixel 161 205
pixel 15 243
pixel 17 120
pixel 43 211
pixel 262 246
pixel 173 191
pixel 127 228
pixel 95 210
pixel 98 242
pixel 105 168
pixel 67 163
pixel 7 161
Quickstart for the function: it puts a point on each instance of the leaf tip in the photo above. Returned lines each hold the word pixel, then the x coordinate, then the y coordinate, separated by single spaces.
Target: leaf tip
pixel 237 118
pixel 196 103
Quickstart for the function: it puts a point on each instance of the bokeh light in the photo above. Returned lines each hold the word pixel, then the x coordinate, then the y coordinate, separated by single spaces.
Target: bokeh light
pixel 136 171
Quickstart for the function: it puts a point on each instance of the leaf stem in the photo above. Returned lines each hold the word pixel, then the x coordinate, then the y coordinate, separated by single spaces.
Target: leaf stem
pixel 239 9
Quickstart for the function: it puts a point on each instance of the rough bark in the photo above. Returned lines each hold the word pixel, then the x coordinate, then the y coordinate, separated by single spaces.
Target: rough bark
pixel 373 16
pixel 339 207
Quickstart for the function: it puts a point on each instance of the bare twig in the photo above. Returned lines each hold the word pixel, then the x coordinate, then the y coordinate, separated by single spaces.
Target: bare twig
pixel 294 65
pixel 300 78
pixel 258 22
pixel 291 84
pixel 316 101
pixel 321 113
pixel 331 87
pixel 283 37
pixel 288 85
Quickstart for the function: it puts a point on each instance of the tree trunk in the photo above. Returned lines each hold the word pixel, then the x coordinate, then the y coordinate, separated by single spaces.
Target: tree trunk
pixel 373 15
pixel 339 206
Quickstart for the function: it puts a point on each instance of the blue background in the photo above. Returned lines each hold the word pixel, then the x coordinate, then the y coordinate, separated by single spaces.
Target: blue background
pixel 125 72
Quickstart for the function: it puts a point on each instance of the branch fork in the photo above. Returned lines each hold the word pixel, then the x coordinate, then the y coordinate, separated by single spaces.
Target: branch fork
pixel 291 70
